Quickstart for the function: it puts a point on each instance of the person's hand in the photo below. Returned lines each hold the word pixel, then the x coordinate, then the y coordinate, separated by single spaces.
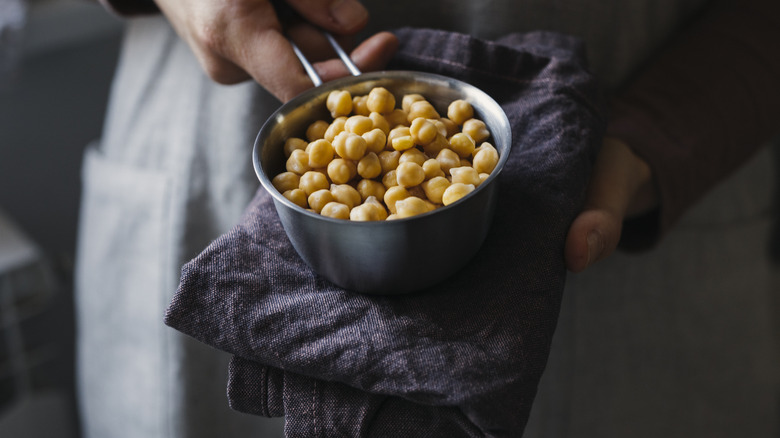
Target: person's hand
pixel 235 40
pixel 621 187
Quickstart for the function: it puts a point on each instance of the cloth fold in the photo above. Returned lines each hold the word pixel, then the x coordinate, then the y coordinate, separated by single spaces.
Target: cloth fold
pixel 463 358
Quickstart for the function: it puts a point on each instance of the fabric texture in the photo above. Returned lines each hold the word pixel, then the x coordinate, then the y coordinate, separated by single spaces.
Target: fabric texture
pixel 461 359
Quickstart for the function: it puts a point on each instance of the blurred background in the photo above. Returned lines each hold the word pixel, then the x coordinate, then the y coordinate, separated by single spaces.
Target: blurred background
pixel 57 58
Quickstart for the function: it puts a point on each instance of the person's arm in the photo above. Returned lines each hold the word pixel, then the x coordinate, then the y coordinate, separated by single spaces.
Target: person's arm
pixel 689 119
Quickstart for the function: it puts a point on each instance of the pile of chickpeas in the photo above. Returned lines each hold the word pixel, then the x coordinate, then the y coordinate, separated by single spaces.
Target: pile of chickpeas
pixel 374 161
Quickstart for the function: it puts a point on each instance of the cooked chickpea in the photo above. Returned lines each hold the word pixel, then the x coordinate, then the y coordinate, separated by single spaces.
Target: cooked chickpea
pixel 413 155
pixel 448 159
pixel 403 143
pixel 432 168
pixel 423 131
pixel 422 108
pixel 335 210
pixel 341 171
pixel 476 129
pixel 393 195
pixel 358 124
pixel 433 148
pixel 359 105
pixel 370 210
pixel 450 127
pixel 318 200
pixel 459 111
pixel 462 144
pixel 409 99
pixel 389 160
pixel 298 162
pixel 369 187
pixel 465 175
pixel 396 132
pixel 380 122
pixel 376 140
pixel 312 181
pixel 397 117
pixel 412 206
pixel 316 130
pixel 335 127
pixel 455 192
pixel 389 179
pixel 435 187
pixel 409 174
pixel 286 181
pixel 320 153
pixel 292 144
pixel 380 100
pixel 483 177
pixel 298 197
pixel 346 194
pixel 486 158
pixel 339 103
pixel 369 166
pixel 349 145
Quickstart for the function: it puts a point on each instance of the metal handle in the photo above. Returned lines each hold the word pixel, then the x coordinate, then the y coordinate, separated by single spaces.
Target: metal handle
pixel 315 78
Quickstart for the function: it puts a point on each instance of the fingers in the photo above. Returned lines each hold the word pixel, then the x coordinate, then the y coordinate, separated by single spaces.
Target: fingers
pixel 621 186
pixel 337 16
pixel 371 55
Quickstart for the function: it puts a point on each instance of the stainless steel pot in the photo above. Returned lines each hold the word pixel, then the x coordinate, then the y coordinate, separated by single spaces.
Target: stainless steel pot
pixel 387 257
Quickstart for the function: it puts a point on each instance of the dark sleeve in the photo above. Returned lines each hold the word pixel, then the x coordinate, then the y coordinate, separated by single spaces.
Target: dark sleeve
pixel 128 8
pixel 702 107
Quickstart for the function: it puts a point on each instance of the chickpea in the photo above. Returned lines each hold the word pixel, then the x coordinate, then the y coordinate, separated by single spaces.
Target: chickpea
pixel 340 171
pixel 339 103
pixel 286 181
pixel 376 140
pixel 433 148
pixel 409 99
pixel 320 153
pixel 369 166
pixel 292 144
pixel 396 132
pixel 455 192
pixel 476 129
pixel 409 174
pixel 335 210
pixel 359 105
pixel 380 100
pixel 369 187
pixel 298 197
pixel 380 122
pixel 389 160
pixel 423 131
pixel 349 145
pixel 390 179
pixel 412 206
pixel 346 194
pixel 465 163
pixel 416 191
pixel 312 181
pixel 397 117
pixel 316 130
pixel 422 108
pixel 370 210
pixel 459 111
pixel 435 187
pixel 358 124
pixel 465 175
pixel 393 195
pixel 403 143
pixel 413 155
pixel 448 159
pixel 432 168
pixel 298 162
pixel 462 144
pixel 318 200
pixel 335 127
pixel 450 127
pixel 486 158
pixel 483 177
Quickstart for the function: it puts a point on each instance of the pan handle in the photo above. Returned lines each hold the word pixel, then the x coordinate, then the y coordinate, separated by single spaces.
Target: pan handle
pixel 315 78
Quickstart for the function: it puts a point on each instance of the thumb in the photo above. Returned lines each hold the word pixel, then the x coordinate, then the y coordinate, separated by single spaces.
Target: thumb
pixel 621 185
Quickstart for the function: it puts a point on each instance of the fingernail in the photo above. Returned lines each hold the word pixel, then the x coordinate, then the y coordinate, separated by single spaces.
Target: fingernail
pixel 595 247
pixel 348 13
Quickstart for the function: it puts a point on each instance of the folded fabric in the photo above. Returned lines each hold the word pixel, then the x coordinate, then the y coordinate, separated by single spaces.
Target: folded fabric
pixel 462 358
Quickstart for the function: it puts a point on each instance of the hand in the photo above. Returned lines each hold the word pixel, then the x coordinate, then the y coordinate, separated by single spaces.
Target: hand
pixel 235 40
pixel 621 187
